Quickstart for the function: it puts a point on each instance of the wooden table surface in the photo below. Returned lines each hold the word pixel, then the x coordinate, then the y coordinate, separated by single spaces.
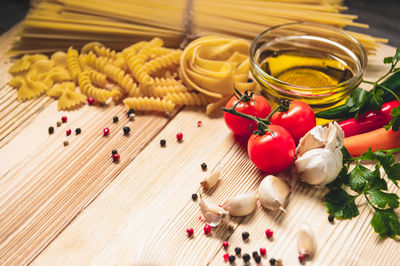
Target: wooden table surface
pixel 73 206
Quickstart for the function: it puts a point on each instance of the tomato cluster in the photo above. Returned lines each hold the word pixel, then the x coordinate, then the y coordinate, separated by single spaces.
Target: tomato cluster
pixel 273 150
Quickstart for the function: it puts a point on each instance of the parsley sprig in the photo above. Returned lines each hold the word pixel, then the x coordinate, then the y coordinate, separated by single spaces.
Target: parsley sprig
pixel 361 181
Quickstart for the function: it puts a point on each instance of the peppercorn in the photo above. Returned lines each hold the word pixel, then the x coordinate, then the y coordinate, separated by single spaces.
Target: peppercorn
pixel 263 251
pixel 194 196
pixel 245 235
pixel 255 254
pixel 131 111
pixel 179 136
pixel 231 228
pixel 51 130
pixel 115 119
pixel 238 250
pixel 68 132
pixel 58 124
pixel 331 217
pixel 204 166
pixel 78 131
pixel 302 258
pixel 269 233
pixel 132 117
pixel 225 244
pixel 115 157
pixel 64 119
pixel 232 259
pixel 226 257
pixel 249 80
pixel 66 142
pixel 106 131
pixel 199 123
pixel 272 261
pixel 90 100
pixel 246 257
pixel 114 152
pixel 207 229
pixel 257 259
pixel 163 142
pixel 190 232
pixel 126 130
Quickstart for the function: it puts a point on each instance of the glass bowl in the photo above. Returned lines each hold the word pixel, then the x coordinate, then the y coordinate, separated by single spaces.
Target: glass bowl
pixel 282 47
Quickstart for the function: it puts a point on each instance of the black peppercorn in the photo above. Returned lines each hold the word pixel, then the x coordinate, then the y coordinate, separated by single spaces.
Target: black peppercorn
pixel 245 236
pixel 238 250
pixel 331 217
pixel 163 142
pixel 51 130
pixel 232 259
pixel 194 196
pixel 115 119
pixel 249 80
pixel 246 257
pixel 126 130
pixel 114 152
pixel 131 111
pixel 78 131
pixel 257 259
pixel 272 261
pixel 255 254
pixel 204 166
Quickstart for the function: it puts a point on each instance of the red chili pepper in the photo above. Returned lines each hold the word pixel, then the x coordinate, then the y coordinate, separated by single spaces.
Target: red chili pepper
pixel 369 120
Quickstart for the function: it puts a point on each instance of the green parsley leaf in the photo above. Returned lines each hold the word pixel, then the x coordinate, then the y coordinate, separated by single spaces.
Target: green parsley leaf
pixel 395 122
pixel 359 176
pixel 386 223
pixel 393 172
pixel 378 184
pixel 341 204
pixel 383 199
pixel 388 60
pixel 346 155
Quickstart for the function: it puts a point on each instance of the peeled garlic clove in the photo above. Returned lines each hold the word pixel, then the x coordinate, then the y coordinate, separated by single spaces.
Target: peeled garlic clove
pixel 319 166
pixel 313 139
pixel 211 180
pixel 273 192
pixel 306 242
pixel 213 214
pixel 241 205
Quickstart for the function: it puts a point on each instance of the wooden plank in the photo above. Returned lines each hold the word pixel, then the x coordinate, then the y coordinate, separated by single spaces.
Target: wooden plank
pixel 141 217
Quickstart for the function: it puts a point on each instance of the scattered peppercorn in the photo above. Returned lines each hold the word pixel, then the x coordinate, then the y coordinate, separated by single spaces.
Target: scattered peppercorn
pixel 245 235
pixel 331 217
pixel 115 157
pixel 115 119
pixel 207 229
pixel 255 254
pixel 132 117
pixel 126 130
pixel 238 250
pixel 269 233
pixel 190 232
pixel 58 124
pixel 68 132
pixel 131 111
pixel 246 257
pixel 194 196
pixel 179 136
pixel 226 257
pixel 231 228
pixel 163 142
pixel 263 251
pixel 272 261
pixel 64 119
pixel 257 259
pixel 90 100
pixel 232 259
pixel 78 131
pixel 225 244
pixel 199 123
pixel 106 131
pixel 249 80
pixel 204 166
pixel 114 152
pixel 302 258
pixel 51 130
pixel 66 142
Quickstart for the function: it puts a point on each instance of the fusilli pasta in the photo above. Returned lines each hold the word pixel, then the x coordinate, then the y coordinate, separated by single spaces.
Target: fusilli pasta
pixel 73 64
pixel 187 98
pixel 149 104
pixel 87 88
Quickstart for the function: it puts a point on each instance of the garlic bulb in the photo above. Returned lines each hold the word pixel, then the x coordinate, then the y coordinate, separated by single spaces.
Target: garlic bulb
pixel 306 242
pixel 319 158
pixel 211 180
pixel 213 214
pixel 241 205
pixel 273 192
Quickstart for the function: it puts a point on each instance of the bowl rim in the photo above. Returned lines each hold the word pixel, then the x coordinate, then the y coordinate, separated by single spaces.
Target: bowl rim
pixel 342 84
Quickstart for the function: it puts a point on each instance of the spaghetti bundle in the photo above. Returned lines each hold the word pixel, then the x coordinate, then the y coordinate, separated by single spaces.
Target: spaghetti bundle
pixel 57 24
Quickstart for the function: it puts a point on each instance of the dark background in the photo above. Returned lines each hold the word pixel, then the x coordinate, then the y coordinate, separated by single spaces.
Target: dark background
pixel 383 16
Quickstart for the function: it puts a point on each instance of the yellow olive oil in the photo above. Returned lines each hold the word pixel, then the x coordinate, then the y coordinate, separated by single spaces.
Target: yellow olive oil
pixel 306 69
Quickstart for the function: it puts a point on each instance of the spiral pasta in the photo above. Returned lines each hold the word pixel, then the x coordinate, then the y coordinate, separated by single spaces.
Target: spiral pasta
pixel 168 60
pixel 97 78
pixel 161 91
pixel 187 98
pixel 87 88
pixel 73 64
pixel 117 94
pixel 149 104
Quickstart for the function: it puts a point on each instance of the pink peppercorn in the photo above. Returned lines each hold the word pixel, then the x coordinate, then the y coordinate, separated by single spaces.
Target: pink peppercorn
pixel 115 157
pixel 269 233
pixel 106 131
pixel 179 136
pixel 263 251
pixel 302 258
pixel 207 229
pixel 64 119
pixel 226 257
pixel 190 232
pixel 225 244
pixel 90 100
pixel 68 132
pixel 199 123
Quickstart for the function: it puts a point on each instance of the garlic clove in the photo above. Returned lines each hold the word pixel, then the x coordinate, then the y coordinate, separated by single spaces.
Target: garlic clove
pixel 319 166
pixel 313 139
pixel 306 242
pixel 241 205
pixel 335 136
pixel 213 214
pixel 273 192
pixel 211 180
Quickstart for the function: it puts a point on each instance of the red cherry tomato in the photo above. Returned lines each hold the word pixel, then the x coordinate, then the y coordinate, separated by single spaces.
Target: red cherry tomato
pixel 272 152
pixel 258 106
pixel 298 120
